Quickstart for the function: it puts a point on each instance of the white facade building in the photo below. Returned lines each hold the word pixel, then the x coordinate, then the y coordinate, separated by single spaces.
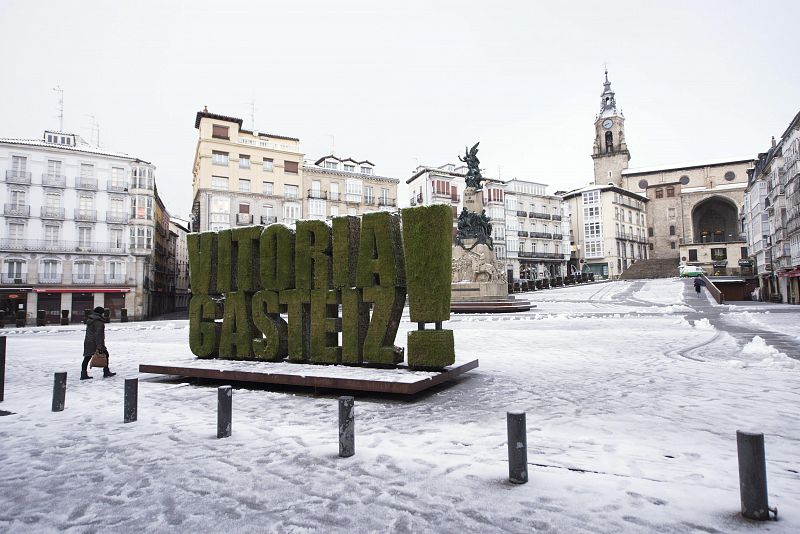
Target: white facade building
pixel 76 230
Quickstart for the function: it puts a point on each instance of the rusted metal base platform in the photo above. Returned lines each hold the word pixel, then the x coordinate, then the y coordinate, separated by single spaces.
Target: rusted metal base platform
pixel 400 380
pixel 510 305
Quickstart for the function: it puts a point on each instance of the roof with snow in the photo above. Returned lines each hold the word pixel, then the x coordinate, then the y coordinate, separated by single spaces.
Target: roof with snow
pixel 80 146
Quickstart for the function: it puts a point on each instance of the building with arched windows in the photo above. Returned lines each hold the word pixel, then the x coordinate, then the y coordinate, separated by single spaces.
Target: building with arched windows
pixel 78 229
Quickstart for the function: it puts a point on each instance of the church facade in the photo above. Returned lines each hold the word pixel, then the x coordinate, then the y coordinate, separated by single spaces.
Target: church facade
pixel 692 211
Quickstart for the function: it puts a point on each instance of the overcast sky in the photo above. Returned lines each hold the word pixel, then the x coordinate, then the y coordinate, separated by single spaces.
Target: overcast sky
pixel 407 82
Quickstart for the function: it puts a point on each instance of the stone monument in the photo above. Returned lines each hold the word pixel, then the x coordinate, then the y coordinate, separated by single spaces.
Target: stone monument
pixel 479 280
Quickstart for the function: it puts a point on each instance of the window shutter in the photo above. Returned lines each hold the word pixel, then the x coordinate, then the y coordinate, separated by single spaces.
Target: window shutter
pixel 290 166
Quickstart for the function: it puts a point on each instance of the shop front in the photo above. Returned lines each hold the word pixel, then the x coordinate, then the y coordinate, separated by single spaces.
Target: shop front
pixel 13 300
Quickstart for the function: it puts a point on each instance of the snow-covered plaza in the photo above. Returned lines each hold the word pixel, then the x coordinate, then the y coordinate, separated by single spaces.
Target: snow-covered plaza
pixel 633 393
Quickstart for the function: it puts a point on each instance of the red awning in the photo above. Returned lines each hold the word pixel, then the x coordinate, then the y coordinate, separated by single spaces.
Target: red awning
pixel 793 272
pixel 78 289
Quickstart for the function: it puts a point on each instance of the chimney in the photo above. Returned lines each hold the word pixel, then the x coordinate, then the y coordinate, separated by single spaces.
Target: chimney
pixel 773 141
pixel 205 110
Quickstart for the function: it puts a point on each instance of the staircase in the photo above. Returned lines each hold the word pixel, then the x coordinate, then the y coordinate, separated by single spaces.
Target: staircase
pixel 652 268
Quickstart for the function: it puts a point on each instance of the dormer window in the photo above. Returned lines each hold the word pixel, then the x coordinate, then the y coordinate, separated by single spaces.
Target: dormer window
pixel 366 170
pixel 349 168
pixel 331 165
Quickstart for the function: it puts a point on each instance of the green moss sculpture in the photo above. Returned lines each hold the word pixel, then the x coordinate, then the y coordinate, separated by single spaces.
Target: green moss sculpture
pixel 430 349
pixel 325 326
pixel 225 263
pixel 312 259
pixel 202 257
pixel 270 336
pixel 355 322
pixel 387 308
pixel 346 239
pixel 276 248
pixel 204 333
pixel 236 337
pixel 246 241
pixel 298 306
pixel 427 242
pixel 380 251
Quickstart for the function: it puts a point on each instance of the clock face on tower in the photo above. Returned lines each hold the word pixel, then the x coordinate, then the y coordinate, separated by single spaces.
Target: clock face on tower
pixel 607 124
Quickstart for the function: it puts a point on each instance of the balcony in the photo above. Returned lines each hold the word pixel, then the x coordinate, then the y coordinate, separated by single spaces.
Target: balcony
pixel 706 240
pixel 290 196
pixel 16 210
pixel 522 233
pixel 117 187
pixel 244 219
pixel 50 212
pixel 558 236
pixel 335 196
pixel 42 245
pixel 268 219
pixel 83 279
pixel 18 177
pixel 369 201
pixel 316 193
pixel 522 213
pixel 538 215
pixel 114 278
pixel 85 215
pixel 86 182
pixel 386 202
pixel 54 180
pixel 541 255
pixel 556 217
pixel 16 278
pixel 117 217
pixel 542 235
pixel 50 278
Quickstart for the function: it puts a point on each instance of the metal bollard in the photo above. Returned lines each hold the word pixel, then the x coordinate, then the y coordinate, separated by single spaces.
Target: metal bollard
pixel 59 391
pixel 753 475
pixel 2 367
pixel 347 441
pixel 517 448
pixel 131 410
pixel 224 411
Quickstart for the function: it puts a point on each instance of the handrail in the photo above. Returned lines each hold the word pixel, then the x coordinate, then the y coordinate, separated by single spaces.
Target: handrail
pixel 714 290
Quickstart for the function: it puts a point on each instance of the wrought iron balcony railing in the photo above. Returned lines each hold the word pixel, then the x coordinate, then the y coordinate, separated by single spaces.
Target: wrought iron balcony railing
pixel 18 177
pixel 16 210
pixel 54 180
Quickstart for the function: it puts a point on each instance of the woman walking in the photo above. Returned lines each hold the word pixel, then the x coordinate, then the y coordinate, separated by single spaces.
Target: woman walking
pixel 697 284
pixel 95 340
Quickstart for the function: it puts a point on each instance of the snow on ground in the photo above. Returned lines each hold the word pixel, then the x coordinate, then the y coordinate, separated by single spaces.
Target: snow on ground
pixel 784 322
pixel 631 421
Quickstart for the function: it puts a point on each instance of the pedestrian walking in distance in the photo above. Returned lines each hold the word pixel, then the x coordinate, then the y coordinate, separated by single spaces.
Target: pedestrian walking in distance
pixel 697 285
pixel 95 340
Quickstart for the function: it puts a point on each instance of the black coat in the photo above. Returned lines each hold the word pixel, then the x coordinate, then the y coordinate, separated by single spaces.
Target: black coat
pixel 95 334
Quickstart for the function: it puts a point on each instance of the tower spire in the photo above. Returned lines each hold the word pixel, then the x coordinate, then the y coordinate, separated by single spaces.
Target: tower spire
pixel 608 103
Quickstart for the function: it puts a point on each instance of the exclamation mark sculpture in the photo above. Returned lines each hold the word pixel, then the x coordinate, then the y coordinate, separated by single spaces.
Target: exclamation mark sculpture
pixel 427 243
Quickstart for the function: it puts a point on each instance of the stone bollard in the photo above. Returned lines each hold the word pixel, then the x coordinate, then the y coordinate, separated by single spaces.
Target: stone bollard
pixel 131 410
pixel 517 448
pixel 41 317
pixel 224 411
pixel 347 438
pixel 2 367
pixel 64 317
pixel 753 475
pixel 59 391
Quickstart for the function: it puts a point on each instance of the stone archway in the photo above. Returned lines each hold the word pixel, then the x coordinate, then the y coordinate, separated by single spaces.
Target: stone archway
pixel 715 220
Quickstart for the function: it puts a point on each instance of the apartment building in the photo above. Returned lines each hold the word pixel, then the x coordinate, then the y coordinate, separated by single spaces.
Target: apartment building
pixel 179 263
pixel 608 227
pixel 335 186
pixel 77 228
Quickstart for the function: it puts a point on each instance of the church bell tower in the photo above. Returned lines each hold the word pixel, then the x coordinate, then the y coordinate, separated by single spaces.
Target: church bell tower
pixel 610 153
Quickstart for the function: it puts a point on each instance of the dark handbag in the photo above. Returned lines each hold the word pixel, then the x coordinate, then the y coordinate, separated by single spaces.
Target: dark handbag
pixel 99 359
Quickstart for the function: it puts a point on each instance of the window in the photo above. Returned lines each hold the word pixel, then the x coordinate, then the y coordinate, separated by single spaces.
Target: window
pixel 368 197
pixel 244 207
pixel 14 268
pixel 219 158
pixel 142 207
pixel 51 234
pixel 719 254
pixel 54 167
pixel 650 246
pixel 290 167
pixel 141 237
pixel 366 170
pixel 316 189
pixel 591 212
pixel 244 185
pixel 116 237
pixel 672 245
pixel 115 270
pixel 670 191
pixel 334 211
pixel 334 190
pixel 349 168
pixel 117 206
pixel 268 165
pixel 87 170
pixel 16 231
pixel 291 212
pixel 331 165
pixel 219 132
pixel 141 178
pixel 316 207
pixel 220 212
pixel 84 236
pixel 18 199
pixel 18 164
pixel 659 193
pixel 49 269
pixel 672 230
pixel 592 230
pixel 385 196
pixel 219 182
pixel 650 232
pixel 290 191
pixel 244 161
pixel 268 188
pixel 353 190
pixel 744 252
